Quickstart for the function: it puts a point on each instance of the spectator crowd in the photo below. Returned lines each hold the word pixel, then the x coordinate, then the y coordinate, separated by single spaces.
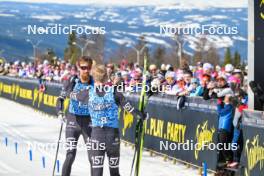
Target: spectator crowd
pixel 204 79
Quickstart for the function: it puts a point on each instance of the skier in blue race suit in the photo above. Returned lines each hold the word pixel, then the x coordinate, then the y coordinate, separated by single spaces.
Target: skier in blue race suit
pixel 78 117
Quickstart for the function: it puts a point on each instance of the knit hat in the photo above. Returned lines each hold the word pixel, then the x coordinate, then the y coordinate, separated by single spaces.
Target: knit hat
pixel 229 68
pixel 171 74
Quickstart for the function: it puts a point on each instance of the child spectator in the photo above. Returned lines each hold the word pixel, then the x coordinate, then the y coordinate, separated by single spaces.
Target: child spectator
pixel 187 76
pixel 195 88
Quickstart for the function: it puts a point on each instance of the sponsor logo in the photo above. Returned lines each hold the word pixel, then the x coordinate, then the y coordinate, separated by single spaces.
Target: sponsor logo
pixel 204 136
pixel 261 7
pixel 255 155
pixel 128 121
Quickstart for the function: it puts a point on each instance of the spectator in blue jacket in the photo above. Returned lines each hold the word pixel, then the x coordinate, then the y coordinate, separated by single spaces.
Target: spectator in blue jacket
pixel 225 112
pixel 195 88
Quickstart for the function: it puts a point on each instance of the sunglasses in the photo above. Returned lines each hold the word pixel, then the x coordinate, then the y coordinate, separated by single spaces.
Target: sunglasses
pixel 85 68
pixel 169 78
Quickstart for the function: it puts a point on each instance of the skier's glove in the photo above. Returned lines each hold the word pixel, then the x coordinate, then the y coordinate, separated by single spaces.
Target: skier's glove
pixel 63 95
pixel 60 100
pixel 60 104
pixel 144 115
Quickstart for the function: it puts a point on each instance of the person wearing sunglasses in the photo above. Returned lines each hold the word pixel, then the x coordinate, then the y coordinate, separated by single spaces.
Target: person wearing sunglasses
pixel 195 88
pixel 77 118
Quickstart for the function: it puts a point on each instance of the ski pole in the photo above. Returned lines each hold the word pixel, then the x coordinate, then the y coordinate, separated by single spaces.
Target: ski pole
pixel 57 150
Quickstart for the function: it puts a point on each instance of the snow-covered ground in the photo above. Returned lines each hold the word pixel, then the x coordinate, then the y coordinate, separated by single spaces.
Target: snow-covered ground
pixel 23 125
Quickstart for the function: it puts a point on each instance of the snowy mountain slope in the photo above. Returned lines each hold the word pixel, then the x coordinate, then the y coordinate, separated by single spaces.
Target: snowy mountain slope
pixel 122 23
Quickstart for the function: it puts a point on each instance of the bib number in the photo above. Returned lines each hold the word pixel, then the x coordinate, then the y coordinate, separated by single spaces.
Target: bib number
pixel 103 120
